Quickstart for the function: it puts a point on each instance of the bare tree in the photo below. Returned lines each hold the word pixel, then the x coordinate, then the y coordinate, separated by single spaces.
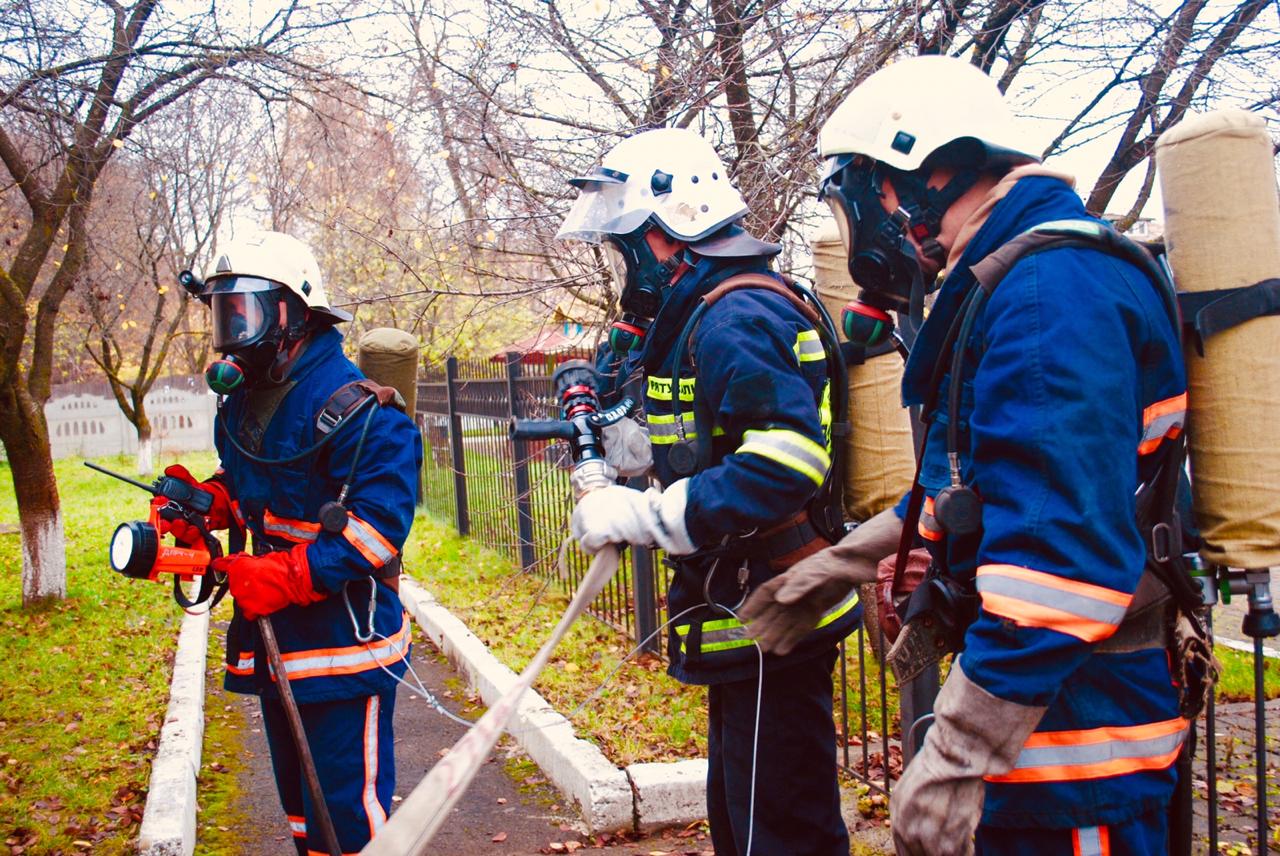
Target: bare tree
pixel 78 80
pixel 160 214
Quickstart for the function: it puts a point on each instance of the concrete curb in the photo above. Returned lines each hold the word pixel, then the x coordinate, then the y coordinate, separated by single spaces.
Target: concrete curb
pixel 642 796
pixel 169 819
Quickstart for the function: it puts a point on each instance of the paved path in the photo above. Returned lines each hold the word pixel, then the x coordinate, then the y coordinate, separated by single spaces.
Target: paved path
pixel 1228 617
pixel 509 799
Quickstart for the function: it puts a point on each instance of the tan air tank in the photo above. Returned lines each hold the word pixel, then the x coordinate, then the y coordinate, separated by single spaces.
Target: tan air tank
pixel 1222 227
pixel 881 461
pixel 390 357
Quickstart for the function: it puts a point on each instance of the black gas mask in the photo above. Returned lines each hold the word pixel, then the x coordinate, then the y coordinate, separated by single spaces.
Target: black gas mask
pixel 883 262
pixel 255 322
pixel 643 281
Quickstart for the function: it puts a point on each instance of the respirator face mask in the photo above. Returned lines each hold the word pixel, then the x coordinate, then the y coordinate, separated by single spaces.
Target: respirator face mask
pixel 247 330
pixel 882 260
pixel 642 282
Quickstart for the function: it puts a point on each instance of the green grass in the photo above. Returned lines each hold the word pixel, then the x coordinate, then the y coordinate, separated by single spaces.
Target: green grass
pixel 642 716
pixel 83 681
pixel 223 761
pixel 1236 681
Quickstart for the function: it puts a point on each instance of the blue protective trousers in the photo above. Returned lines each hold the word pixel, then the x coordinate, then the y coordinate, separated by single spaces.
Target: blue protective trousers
pixel 797 798
pixel 351 742
pixel 1144 835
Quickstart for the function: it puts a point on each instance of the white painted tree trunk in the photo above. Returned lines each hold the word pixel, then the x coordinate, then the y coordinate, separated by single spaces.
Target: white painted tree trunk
pixel 145 463
pixel 44 551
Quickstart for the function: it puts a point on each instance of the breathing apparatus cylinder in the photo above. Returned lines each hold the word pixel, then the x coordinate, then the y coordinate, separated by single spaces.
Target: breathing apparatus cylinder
pixel 1222 228
pixel 881 460
pixel 389 357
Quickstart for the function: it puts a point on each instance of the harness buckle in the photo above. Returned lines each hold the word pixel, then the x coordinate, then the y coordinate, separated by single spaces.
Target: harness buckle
pixel 327 421
pixel 1161 542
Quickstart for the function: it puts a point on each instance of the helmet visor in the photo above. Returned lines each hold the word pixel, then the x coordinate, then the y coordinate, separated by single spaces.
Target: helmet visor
pixel 617 265
pixel 843 221
pixel 240 318
pixel 602 209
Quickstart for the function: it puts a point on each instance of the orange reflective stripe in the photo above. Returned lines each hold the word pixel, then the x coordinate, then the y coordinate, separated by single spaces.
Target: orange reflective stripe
pixel 928 526
pixel 297 825
pixel 1162 420
pixel 330 662
pixel 376 549
pixel 1094 753
pixel 1063 584
pixel 235 511
pixel 1038 599
pixel 243 666
pixel 298 531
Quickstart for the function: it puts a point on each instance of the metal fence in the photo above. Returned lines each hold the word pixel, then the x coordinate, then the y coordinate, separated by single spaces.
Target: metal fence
pixel 515 496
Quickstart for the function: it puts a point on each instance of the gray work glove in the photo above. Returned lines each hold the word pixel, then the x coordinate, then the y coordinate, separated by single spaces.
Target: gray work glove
pixel 627 448
pixel 936 805
pixel 783 610
pixel 623 515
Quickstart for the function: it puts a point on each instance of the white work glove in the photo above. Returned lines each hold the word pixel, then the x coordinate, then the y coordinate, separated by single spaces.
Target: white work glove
pixel 621 515
pixel 936 806
pixel 627 449
pixel 784 610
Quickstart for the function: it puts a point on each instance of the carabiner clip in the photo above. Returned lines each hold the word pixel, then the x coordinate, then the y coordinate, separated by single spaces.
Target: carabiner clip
pixel 367 636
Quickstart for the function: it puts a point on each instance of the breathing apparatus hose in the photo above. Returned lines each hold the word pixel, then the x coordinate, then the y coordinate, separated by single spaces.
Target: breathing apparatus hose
pixel 310 450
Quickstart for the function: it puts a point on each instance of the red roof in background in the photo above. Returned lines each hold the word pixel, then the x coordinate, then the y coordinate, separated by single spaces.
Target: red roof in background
pixel 549 341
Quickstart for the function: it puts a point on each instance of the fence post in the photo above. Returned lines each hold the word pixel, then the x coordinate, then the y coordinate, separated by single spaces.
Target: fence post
pixel 646 601
pixel 462 518
pixel 524 517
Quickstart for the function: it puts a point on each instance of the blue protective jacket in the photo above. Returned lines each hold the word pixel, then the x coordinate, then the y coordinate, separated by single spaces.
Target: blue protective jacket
pixel 280 505
pixel 1073 379
pixel 757 368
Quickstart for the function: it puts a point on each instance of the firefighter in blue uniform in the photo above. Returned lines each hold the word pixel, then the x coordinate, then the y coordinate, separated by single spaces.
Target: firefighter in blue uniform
pixel 1058 726
pixel 737 409
pixel 300 428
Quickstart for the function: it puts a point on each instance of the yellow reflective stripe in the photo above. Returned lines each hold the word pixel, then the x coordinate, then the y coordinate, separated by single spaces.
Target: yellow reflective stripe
pixel 789 448
pixel 840 609
pixel 660 388
pixel 824 414
pixel 808 346
pixel 726 633
pixel 662 428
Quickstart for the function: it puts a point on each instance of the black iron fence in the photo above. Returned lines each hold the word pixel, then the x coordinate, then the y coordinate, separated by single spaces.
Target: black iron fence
pixel 515 496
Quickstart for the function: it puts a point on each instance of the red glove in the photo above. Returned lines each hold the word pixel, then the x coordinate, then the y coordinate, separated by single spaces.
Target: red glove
pixel 262 585
pixel 220 515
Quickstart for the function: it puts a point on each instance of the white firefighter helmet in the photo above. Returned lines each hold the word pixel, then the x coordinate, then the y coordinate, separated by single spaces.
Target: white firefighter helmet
pixel 670 174
pixel 279 258
pixel 906 111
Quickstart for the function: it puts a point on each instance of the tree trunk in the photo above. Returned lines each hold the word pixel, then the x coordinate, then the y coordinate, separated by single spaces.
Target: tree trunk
pixel 25 435
pixel 143 424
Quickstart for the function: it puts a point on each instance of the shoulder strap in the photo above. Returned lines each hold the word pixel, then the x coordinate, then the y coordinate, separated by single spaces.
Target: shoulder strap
pixel 768 283
pixel 1084 234
pixel 346 397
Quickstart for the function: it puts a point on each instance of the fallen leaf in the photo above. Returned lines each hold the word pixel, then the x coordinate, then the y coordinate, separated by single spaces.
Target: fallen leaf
pixel 499 838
